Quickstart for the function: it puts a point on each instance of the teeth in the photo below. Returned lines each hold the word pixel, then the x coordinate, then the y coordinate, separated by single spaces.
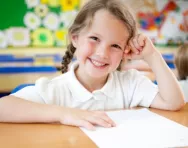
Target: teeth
pixel 97 63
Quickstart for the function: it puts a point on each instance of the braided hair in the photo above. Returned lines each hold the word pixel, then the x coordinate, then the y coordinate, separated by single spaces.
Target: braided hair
pixel 67 57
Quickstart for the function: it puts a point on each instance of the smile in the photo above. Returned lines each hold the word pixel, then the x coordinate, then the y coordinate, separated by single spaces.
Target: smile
pixel 98 64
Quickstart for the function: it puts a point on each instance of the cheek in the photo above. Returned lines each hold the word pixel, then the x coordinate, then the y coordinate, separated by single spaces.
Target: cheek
pixel 89 48
pixel 85 50
pixel 117 58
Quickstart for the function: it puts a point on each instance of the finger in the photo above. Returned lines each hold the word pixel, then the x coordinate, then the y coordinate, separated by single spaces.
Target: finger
pixel 98 121
pixel 133 49
pixel 106 118
pixel 128 55
pixel 85 124
pixel 141 40
pixel 135 42
pixel 127 49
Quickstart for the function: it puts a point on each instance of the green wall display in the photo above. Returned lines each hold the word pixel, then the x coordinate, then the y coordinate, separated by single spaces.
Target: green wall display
pixel 36 23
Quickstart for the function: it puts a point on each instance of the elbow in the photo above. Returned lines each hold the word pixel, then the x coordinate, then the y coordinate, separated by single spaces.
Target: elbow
pixel 181 105
pixel 178 106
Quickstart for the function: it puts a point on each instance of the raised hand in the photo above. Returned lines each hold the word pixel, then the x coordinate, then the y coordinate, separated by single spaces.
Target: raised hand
pixel 139 47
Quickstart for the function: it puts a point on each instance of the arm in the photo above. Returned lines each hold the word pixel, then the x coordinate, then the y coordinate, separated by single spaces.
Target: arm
pixel 17 110
pixel 170 96
pixel 14 109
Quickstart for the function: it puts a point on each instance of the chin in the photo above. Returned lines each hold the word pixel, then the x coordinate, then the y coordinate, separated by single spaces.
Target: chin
pixel 97 74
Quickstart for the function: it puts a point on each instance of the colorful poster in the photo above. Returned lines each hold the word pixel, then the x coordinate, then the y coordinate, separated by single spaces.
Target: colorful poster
pixel 163 21
pixel 44 23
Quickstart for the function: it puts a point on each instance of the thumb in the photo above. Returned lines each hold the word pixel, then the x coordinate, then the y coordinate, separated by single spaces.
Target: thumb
pixel 128 55
pixel 127 49
pixel 127 52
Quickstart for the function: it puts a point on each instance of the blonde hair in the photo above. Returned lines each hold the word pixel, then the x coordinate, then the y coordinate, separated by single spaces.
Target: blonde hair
pixel 181 61
pixel 84 19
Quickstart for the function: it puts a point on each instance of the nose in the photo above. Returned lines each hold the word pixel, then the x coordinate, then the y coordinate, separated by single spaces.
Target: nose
pixel 102 51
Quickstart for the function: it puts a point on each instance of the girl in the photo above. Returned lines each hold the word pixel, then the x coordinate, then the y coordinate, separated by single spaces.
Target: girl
pixel 181 62
pixel 102 35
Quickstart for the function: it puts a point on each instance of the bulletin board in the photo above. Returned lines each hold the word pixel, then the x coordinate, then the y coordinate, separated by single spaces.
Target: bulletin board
pixel 36 23
pixel 12 13
pixel 162 21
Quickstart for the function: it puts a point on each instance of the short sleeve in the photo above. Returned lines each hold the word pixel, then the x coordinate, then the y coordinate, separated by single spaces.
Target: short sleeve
pixel 29 93
pixel 44 91
pixel 143 90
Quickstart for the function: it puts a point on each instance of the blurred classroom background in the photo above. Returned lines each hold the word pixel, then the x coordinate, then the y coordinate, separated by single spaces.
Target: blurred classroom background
pixel 33 35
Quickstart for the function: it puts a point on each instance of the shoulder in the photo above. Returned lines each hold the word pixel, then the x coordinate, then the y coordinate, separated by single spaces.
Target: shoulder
pixel 133 79
pixel 51 88
pixel 46 90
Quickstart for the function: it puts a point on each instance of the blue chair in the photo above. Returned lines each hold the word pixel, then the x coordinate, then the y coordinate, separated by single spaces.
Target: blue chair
pixel 21 86
pixel 169 58
pixel 28 69
pixel 9 58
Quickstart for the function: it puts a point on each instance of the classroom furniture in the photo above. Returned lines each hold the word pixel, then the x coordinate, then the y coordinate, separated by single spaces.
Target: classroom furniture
pixel 61 136
pixel 21 86
pixel 32 51
pixel 169 58
pixel 28 69
pixel 9 81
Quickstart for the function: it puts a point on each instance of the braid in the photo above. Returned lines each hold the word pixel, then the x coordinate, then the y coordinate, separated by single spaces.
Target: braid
pixel 67 57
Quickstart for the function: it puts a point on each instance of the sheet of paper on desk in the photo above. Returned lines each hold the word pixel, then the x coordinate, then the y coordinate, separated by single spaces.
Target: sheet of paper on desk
pixel 139 128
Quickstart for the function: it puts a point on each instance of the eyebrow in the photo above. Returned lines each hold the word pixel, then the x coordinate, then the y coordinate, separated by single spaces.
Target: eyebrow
pixel 96 34
pixel 119 43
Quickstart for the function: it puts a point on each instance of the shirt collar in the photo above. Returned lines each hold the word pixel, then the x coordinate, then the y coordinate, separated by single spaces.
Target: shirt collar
pixel 109 88
pixel 81 94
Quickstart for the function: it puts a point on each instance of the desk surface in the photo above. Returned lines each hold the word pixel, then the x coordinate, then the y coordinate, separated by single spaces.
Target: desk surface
pixel 60 136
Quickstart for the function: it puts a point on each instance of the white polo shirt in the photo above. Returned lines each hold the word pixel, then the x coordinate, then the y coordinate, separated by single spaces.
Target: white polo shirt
pixel 122 90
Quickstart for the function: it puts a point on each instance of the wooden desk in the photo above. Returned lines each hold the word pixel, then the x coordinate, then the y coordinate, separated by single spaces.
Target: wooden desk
pixel 60 136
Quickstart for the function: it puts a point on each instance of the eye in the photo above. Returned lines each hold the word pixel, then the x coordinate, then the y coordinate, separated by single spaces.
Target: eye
pixel 94 38
pixel 116 46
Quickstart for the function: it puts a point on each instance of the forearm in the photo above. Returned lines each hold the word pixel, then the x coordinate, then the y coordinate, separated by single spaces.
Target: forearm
pixel 167 81
pixel 13 109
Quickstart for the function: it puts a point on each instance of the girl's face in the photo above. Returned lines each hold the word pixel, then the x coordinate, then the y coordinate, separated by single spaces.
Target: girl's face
pixel 100 48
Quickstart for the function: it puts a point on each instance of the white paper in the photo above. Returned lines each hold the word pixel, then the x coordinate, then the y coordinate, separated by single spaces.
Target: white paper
pixel 141 129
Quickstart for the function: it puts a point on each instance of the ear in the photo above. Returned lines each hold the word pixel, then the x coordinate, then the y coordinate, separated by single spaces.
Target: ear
pixel 74 40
